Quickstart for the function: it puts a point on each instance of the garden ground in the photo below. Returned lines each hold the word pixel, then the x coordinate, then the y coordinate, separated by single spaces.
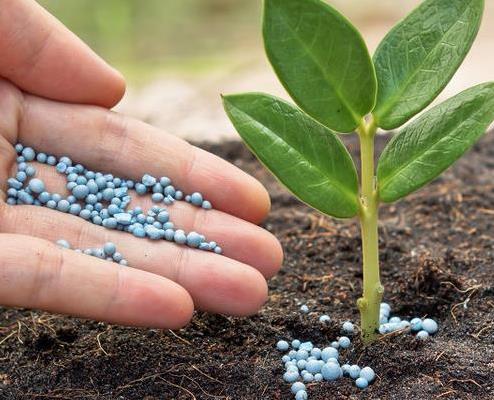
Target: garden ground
pixel 437 254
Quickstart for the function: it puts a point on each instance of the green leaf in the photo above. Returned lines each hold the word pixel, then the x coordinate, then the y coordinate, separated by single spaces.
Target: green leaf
pixel 321 60
pixel 426 147
pixel 304 155
pixel 420 55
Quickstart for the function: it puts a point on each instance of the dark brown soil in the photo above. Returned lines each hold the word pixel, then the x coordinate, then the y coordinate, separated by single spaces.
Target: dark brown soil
pixel 437 252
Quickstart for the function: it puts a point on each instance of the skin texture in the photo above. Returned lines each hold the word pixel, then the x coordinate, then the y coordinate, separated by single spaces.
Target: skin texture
pixel 53 90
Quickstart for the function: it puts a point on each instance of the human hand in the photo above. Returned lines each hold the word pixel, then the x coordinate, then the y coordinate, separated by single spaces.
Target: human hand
pixel 45 71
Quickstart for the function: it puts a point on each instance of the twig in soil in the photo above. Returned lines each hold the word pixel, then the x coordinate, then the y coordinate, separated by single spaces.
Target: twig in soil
pixel 119 389
pixel 392 334
pixel 43 322
pixel 140 380
pixel 178 387
pixel 477 335
pixel 440 355
pixel 99 342
pixel 475 287
pixel 7 337
pixel 180 338
pixel 19 332
pixel 471 291
pixel 201 389
pixel 33 329
pixel 446 393
pixel 466 381
pixel 206 375
pixel 14 332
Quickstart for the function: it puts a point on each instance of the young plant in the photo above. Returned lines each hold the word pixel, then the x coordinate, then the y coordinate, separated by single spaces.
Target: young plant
pixel 323 63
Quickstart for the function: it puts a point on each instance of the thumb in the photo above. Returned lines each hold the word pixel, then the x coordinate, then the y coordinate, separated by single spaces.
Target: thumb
pixel 41 56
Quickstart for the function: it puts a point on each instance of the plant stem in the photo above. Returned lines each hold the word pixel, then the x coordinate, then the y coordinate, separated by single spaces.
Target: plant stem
pixel 369 303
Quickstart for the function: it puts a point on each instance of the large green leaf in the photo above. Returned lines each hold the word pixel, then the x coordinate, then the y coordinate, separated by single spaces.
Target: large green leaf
pixel 304 155
pixel 321 60
pixel 426 147
pixel 420 55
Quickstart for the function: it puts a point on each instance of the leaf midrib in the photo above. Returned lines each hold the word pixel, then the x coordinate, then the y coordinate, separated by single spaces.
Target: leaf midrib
pixel 356 118
pixel 428 149
pixel 402 89
pixel 346 192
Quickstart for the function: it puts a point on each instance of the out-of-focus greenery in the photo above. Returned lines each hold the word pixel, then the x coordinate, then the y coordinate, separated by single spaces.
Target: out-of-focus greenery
pixel 140 36
pixel 145 37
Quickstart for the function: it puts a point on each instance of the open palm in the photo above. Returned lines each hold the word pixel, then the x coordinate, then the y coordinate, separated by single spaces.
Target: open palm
pixel 49 80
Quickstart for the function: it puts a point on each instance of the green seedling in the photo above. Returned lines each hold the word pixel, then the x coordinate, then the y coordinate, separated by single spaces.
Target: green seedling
pixel 323 63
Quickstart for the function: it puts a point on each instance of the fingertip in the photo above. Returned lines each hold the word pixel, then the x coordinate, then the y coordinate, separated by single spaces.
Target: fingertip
pixel 184 310
pixel 253 296
pixel 262 205
pixel 177 307
pixel 248 243
pixel 250 292
pixel 252 199
pixel 116 90
pixel 107 89
pixel 260 249
pixel 157 301
pixel 225 286
pixel 276 257
pixel 241 194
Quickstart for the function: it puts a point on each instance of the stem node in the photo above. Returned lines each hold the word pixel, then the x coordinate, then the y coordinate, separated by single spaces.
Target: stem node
pixel 362 304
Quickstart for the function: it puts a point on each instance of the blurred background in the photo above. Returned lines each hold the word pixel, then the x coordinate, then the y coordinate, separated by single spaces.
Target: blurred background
pixel 179 55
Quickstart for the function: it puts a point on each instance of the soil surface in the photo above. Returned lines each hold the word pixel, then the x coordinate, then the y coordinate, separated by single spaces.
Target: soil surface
pixel 437 253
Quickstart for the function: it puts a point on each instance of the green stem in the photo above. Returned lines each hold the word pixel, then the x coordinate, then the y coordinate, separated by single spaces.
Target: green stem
pixel 369 303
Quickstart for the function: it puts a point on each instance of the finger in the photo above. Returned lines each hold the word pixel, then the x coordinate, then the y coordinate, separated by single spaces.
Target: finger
pixel 130 148
pixel 11 100
pixel 216 284
pixel 7 160
pixel 240 240
pixel 36 274
pixel 41 56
